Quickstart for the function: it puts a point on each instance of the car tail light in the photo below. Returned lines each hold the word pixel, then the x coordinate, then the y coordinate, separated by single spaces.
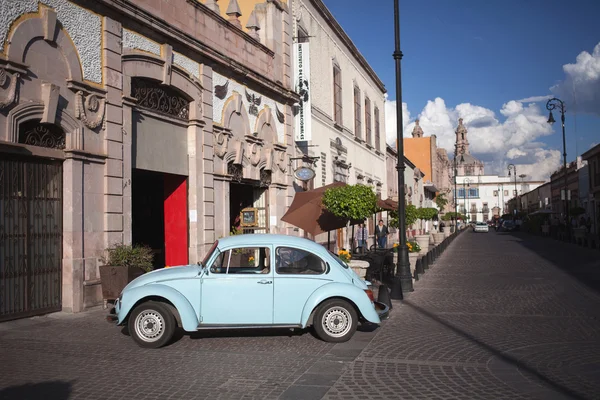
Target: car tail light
pixel 369 293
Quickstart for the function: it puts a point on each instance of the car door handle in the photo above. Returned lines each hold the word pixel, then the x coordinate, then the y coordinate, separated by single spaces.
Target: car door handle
pixel 265 282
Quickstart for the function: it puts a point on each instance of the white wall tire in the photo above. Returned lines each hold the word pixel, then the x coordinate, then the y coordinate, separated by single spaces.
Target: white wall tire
pixel 151 324
pixel 335 321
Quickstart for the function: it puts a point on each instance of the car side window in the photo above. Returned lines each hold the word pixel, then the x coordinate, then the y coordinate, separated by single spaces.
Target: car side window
pixel 289 260
pixel 243 260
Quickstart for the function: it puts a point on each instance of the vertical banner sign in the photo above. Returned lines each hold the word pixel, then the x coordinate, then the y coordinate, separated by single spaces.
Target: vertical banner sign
pixel 302 79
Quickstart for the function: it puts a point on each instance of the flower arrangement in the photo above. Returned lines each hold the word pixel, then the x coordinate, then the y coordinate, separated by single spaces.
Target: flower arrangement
pixel 251 261
pixel 413 247
pixel 344 255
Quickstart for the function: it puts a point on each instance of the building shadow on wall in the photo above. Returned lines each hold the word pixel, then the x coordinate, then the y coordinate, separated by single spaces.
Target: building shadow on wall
pixel 581 263
pixel 53 390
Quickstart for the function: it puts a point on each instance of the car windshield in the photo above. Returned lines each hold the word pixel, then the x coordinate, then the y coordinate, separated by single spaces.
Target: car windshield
pixel 339 260
pixel 481 223
pixel 209 253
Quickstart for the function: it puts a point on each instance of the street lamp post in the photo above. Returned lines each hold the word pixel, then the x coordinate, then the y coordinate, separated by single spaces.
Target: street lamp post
pixel 402 282
pixel 552 104
pixel 513 167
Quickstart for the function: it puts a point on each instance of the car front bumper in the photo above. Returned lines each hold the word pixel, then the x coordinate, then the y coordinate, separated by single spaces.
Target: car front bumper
pixel 113 316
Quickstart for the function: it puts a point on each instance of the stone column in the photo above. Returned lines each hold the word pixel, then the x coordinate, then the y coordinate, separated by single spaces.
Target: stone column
pixel 206 209
pixel 73 266
pixel 117 180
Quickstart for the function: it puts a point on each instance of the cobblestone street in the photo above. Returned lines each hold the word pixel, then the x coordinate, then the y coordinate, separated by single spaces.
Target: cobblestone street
pixel 499 316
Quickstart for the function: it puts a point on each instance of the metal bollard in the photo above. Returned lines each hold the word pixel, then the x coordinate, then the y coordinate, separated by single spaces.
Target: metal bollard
pixel 419 266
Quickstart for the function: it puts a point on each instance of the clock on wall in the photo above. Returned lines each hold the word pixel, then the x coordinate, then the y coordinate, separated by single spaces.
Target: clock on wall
pixel 304 173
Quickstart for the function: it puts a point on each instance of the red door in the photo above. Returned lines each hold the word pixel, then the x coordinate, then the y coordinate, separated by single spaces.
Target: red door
pixel 176 225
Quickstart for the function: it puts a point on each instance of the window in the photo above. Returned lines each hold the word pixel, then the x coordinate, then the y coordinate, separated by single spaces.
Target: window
pixel 295 261
pixel 357 121
pixel 495 193
pixel 368 120
pixel 514 192
pixel 337 94
pixel 377 133
pixel 461 193
pixel 473 192
pixel 506 192
pixel 244 260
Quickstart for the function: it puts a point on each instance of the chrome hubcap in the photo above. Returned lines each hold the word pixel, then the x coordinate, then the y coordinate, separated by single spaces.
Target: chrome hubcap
pixel 149 325
pixel 337 321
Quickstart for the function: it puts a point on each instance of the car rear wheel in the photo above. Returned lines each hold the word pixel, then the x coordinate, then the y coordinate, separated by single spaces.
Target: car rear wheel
pixel 335 321
pixel 151 324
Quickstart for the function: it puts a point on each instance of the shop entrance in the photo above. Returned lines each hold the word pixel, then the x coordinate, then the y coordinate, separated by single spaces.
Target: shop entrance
pixel 254 201
pixel 159 215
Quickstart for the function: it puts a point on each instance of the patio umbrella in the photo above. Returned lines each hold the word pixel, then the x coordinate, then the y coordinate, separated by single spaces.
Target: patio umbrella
pixel 308 213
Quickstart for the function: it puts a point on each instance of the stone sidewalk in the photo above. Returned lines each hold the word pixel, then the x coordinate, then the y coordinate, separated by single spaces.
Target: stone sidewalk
pixel 497 317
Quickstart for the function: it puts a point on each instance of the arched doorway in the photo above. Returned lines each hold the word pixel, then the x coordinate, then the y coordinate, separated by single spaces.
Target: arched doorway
pixel 31 226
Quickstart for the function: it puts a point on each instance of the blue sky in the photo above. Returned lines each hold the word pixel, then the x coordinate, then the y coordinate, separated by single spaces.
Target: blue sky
pixel 480 59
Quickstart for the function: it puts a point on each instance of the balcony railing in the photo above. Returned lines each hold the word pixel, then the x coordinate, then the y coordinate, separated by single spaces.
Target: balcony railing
pixel 486 210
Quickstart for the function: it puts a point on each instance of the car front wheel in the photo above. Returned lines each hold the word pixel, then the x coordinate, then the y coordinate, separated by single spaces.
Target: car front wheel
pixel 151 324
pixel 335 321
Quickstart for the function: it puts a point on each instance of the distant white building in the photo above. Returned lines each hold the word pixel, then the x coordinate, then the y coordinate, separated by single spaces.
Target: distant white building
pixel 483 197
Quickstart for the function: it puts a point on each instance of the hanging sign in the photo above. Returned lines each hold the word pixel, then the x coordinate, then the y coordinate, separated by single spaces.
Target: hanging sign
pixel 302 79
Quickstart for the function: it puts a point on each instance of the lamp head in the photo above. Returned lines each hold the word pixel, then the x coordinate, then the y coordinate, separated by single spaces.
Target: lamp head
pixel 551 119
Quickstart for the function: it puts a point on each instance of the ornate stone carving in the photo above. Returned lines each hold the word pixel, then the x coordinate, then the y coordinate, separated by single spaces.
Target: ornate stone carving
pixel 279 114
pixel 254 101
pixel 90 104
pixel 12 88
pixel 162 99
pixel 221 142
pixel 221 90
pixel 236 171
pixel 255 152
pixel 265 178
pixel 280 160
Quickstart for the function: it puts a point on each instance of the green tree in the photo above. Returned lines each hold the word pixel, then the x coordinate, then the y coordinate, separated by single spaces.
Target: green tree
pixel 427 213
pixel 410 215
pixel 441 201
pixel 350 202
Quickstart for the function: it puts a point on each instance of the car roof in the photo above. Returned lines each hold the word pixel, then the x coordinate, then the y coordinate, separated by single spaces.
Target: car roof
pixel 269 238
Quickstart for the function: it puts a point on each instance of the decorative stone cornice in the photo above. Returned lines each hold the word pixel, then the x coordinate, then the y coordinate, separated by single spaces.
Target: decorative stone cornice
pixel 190 43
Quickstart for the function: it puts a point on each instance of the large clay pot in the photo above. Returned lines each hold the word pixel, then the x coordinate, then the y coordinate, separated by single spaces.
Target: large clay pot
pixel 438 238
pixel 360 267
pixel 423 241
pixel 412 259
pixel 115 278
pixel 446 233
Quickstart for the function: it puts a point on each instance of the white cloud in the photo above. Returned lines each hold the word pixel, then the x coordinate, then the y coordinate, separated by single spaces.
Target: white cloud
pixel 515 153
pixel 390 121
pixel 535 99
pixel 515 138
pixel 580 90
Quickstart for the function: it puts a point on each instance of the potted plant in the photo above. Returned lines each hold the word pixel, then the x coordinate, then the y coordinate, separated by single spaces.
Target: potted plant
pixel 122 264
pixel 426 214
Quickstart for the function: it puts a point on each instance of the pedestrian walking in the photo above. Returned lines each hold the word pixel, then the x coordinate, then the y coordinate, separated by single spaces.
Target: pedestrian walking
pixel 362 235
pixel 381 232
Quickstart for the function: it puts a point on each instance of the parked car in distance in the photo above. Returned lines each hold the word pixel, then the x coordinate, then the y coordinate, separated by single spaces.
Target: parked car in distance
pixel 481 227
pixel 508 226
pixel 250 281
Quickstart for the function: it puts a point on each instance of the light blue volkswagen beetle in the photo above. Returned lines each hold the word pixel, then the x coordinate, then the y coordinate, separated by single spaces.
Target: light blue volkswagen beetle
pixel 250 281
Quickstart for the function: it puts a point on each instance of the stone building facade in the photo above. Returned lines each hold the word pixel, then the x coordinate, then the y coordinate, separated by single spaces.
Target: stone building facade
pixel 433 162
pixel 135 121
pixel 344 104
